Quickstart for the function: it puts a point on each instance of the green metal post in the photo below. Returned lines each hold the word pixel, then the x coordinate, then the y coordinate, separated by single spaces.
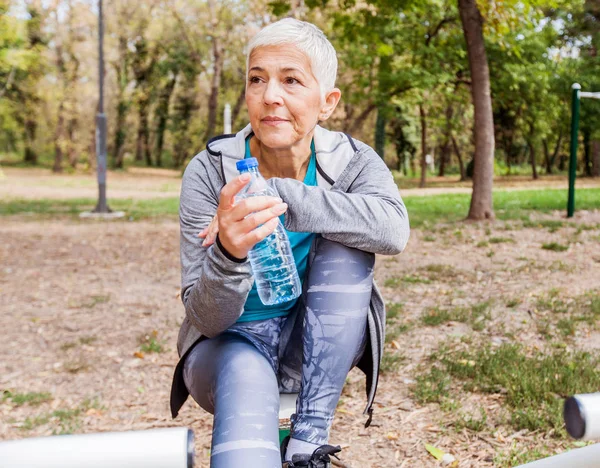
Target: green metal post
pixel 573 159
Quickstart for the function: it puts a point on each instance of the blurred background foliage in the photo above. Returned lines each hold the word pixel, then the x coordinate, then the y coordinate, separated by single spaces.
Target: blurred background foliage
pixel 172 66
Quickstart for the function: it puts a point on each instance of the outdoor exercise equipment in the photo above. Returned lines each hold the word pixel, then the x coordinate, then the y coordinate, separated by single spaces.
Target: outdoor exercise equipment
pixel 154 448
pixel 582 419
pixel 102 206
pixel 576 98
pixel 287 407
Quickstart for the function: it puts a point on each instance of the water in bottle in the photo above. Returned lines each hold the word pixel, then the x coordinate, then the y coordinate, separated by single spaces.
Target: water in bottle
pixel 272 260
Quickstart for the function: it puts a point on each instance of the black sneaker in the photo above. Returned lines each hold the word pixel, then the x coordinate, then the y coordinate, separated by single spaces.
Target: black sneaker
pixel 320 458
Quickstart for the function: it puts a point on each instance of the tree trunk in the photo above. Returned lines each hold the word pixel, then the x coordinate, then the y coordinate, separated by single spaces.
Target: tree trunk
pixel 31 156
pixel 483 171
pixel 380 134
pixel 121 68
pixel 357 124
pixel 162 112
pixel 547 157
pixel 71 153
pixel 238 107
pixel 142 150
pixel 532 159
pixel 213 100
pixel 556 148
pixel 461 164
pixel 120 134
pixel 59 139
pixel 423 117
pixel 587 157
pixel 445 149
pixel 595 158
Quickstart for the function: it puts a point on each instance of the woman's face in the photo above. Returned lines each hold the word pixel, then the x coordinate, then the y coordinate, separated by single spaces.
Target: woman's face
pixel 283 96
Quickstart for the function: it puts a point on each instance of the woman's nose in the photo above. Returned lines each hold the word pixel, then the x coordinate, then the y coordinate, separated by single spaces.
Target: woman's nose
pixel 272 94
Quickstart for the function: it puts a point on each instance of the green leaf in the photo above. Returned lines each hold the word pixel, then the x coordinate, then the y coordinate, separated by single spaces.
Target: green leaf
pixel 435 452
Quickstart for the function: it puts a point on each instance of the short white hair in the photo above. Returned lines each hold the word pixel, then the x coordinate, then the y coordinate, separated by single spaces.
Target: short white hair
pixel 308 39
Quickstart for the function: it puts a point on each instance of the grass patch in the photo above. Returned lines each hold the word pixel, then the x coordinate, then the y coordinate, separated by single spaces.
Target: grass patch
pixel 84 340
pixel 468 421
pixel 551 224
pixel 501 240
pixel 435 316
pixel 520 455
pixel 135 209
pixel 391 361
pixel 423 211
pixel 514 302
pixel 149 343
pixel 533 383
pixel 29 398
pixel 555 247
pixel 508 205
pixel 410 279
pixel 552 301
pixel 475 316
pixel 393 309
pixel 431 387
pixel 65 421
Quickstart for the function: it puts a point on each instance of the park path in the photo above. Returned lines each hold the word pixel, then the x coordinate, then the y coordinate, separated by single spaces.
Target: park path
pixel 143 184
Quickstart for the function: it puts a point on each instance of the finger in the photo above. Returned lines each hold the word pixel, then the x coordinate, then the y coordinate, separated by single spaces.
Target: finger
pixel 258 234
pixel 229 191
pixel 211 236
pixel 204 232
pixel 261 217
pixel 253 205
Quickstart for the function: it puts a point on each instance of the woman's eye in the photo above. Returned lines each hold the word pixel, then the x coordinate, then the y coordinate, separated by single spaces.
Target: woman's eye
pixel 254 79
pixel 290 80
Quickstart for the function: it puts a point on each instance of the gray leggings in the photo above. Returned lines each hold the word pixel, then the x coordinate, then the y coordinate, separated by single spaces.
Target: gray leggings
pixel 237 375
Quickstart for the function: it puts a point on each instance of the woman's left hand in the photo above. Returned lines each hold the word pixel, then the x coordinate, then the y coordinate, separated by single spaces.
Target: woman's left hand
pixel 209 233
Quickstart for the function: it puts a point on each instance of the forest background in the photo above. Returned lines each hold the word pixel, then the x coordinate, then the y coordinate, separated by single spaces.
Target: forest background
pixel 172 66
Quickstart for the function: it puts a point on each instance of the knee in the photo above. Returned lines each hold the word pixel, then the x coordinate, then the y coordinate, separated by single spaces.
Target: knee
pixel 335 263
pixel 245 366
pixel 332 249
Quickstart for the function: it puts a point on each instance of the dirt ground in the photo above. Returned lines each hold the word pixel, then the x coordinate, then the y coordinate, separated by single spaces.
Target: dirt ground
pixel 80 300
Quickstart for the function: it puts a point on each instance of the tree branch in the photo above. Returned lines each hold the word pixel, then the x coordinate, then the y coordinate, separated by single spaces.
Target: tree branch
pixel 436 30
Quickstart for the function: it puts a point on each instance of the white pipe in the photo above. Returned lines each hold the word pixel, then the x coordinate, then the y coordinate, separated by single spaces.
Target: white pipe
pixel 582 416
pixel 155 448
pixel 586 457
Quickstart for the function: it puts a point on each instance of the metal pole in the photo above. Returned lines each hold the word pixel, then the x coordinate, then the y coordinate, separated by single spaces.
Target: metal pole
pixel 573 158
pixel 227 119
pixel 102 206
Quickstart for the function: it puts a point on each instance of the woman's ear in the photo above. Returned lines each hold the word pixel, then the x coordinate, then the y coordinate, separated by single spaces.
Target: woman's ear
pixel 330 103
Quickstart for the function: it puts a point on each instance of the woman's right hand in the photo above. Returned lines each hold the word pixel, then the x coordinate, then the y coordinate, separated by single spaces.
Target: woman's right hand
pixel 246 223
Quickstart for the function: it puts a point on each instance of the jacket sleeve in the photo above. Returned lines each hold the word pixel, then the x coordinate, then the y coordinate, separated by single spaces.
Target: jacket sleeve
pixel 213 287
pixel 362 210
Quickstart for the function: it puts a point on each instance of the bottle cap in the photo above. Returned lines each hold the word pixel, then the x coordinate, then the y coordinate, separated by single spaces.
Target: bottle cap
pixel 245 164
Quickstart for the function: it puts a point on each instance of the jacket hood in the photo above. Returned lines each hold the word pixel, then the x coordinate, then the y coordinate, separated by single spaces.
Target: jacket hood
pixel 334 150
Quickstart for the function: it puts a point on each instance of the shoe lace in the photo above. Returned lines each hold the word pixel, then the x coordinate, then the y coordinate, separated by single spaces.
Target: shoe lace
pixel 322 454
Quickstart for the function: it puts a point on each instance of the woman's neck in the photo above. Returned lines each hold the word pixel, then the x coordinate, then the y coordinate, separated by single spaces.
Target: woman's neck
pixel 289 163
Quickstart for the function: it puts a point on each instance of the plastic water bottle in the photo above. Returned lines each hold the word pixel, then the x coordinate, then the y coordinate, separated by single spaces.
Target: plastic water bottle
pixel 272 261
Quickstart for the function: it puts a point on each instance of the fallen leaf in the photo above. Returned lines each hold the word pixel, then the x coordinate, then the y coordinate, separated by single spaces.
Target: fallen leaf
pixel 435 452
pixel 392 436
pixel 139 354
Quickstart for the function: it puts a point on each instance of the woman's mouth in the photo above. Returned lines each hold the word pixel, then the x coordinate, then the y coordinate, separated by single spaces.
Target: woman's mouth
pixel 274 121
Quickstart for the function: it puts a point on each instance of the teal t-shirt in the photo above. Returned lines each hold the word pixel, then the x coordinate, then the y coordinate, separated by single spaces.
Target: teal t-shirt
pixel 254 309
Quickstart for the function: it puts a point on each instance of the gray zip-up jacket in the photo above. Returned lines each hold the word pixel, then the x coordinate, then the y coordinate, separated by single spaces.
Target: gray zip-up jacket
pixel 355 203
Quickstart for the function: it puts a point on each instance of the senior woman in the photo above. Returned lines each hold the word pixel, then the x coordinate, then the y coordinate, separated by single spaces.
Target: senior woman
pixel 339 205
